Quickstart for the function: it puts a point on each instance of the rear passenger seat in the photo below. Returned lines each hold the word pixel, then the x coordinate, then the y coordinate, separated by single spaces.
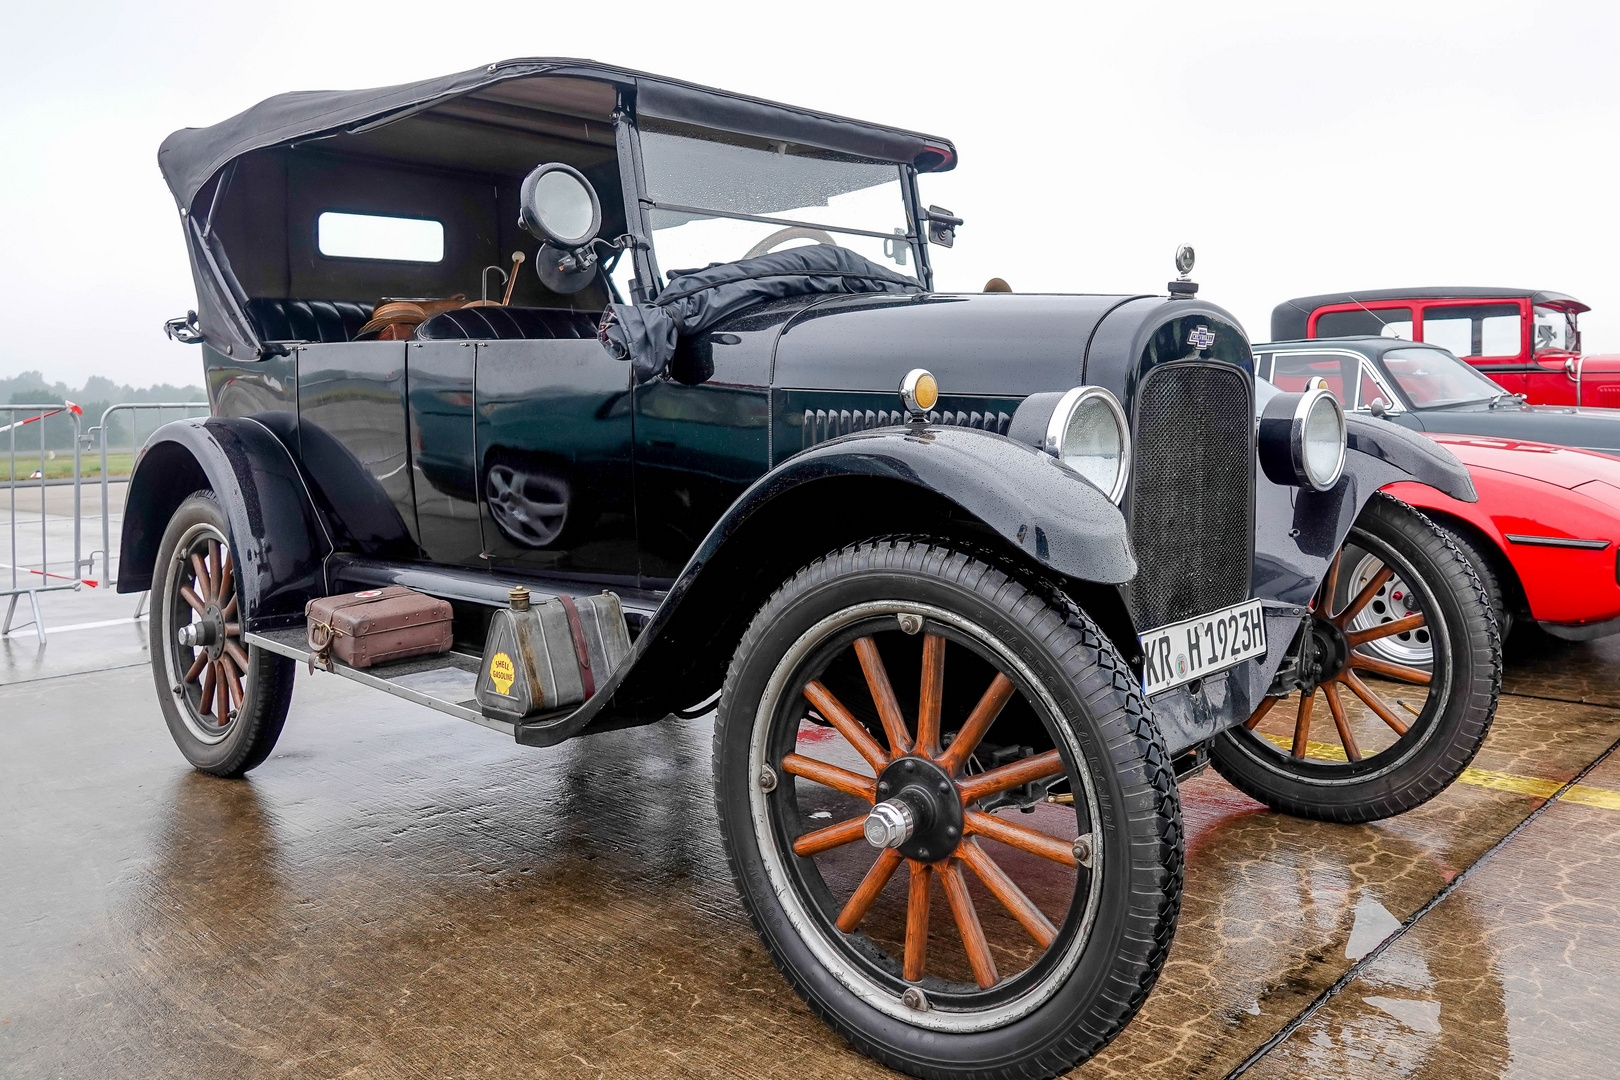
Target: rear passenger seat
pixel 307 320
pixel 509 324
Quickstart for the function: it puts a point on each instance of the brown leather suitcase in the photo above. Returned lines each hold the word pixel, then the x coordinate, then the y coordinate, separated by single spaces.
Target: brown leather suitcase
pixel 375 626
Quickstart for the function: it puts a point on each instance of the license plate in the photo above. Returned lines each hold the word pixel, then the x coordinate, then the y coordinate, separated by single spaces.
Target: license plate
pixel 1193 648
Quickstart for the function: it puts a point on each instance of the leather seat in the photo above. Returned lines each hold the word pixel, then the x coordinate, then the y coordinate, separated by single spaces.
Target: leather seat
pixel 508 324
pixel 307 320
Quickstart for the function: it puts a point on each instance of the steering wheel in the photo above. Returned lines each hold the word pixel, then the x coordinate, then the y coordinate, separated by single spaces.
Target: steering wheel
pixel 792 232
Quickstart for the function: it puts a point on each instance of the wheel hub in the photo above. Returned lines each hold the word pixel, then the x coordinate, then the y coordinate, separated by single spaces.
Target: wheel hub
pixel 919 810
pixel 207 633
pixel 1327 653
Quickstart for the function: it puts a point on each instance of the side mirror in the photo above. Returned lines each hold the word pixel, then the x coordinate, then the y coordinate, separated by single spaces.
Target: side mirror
pixel 941 226
pixel 560 208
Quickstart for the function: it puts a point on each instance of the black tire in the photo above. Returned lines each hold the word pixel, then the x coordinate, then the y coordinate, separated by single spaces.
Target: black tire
pixel 1444 735
pixel 251 729
pixel 1104 971
pixel 1484 563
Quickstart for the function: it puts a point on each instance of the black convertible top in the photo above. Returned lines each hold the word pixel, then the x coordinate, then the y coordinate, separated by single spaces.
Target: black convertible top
pixel 191 156
pixel 1289 318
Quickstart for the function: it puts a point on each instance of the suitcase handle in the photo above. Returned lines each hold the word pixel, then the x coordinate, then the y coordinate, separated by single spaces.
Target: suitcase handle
pixel 576 630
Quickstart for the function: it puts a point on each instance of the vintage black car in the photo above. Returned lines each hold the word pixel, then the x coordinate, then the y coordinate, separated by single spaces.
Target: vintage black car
pixel 1426 388
pixel 971 577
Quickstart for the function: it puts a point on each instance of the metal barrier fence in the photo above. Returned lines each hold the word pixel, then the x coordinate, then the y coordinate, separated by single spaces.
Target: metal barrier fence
pixel 26 578
pixel 99 433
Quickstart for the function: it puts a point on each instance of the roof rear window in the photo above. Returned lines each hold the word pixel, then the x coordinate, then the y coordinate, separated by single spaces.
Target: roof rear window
pixel 368 236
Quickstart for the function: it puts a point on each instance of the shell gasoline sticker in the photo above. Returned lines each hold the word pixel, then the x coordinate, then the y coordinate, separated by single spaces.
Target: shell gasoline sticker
pixel 500 671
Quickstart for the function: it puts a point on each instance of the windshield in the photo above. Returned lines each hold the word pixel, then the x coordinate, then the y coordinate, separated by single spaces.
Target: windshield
pixel 1555 329
pixel 1434 378
pixel 719 197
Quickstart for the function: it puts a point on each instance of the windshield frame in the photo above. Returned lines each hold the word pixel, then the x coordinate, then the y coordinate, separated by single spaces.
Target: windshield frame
pixel 1572 329
pixel 640 206
pixel 1496 391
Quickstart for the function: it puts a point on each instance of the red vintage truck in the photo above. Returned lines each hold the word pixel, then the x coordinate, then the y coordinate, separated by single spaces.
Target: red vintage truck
pixel 1526 340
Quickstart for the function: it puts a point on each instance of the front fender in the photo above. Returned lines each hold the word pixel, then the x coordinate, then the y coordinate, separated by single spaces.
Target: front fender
pixel 1037 505
pixel 279 541
pixel 839 492
pixel 1422 459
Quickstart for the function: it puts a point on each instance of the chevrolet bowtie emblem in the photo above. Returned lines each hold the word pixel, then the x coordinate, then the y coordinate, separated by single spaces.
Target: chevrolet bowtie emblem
pixel 1201 337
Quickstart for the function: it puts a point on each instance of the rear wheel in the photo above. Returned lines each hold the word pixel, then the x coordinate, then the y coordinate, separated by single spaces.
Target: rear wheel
pixel 948 813
pixel 1396 734
pixel 224 700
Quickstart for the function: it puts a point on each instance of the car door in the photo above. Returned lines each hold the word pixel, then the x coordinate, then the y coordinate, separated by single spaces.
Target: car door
pixel 553 456
pixel 352 441
pixel 444 469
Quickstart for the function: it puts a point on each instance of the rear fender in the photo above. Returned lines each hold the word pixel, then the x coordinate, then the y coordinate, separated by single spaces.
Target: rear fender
pixel 960 485
pixel 279 540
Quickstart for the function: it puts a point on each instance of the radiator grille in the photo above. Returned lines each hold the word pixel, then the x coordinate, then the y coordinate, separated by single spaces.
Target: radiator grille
pixel 1192 492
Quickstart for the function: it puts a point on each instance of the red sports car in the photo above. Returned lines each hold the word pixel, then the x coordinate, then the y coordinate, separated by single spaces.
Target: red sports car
pixel 1544 536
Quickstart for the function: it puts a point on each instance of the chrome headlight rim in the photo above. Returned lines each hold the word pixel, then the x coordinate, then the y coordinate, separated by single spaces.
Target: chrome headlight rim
pixel 1067 406
pixel 1299 431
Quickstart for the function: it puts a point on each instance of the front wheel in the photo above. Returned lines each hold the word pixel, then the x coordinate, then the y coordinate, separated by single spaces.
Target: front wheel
pixel 224 700
pixel 947 810
pixel 1400 732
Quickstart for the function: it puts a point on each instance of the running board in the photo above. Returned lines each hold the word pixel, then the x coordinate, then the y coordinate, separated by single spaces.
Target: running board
pixel 445 683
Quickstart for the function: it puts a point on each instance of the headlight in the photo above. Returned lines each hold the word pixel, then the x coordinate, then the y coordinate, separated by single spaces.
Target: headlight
pixel 1302 439
pixel 1088 433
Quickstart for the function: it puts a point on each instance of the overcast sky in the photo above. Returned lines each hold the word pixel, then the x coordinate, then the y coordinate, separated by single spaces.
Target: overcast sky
pixel 1301 148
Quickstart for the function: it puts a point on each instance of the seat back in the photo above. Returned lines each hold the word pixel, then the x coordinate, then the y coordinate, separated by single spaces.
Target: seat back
pixel 508 324
pixel 307 320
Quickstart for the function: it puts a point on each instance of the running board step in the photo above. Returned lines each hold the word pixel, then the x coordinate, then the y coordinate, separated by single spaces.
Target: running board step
pixel 444 682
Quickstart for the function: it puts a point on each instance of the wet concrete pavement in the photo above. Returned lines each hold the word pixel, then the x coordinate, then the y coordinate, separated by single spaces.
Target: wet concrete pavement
pixel 395 893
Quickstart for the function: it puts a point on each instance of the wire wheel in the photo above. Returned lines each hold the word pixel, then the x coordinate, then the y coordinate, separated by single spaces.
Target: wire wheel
pixel 884 827
pixel 1392 602
pixel 206 649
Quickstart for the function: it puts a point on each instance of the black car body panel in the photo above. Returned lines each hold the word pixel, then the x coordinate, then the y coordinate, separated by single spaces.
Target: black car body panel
pixel 1504 417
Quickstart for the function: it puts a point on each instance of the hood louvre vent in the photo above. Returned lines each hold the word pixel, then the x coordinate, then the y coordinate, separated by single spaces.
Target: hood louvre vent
pixel 821 425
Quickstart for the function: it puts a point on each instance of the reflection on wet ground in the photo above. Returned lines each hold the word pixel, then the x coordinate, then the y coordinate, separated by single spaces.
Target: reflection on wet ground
pixel 396 894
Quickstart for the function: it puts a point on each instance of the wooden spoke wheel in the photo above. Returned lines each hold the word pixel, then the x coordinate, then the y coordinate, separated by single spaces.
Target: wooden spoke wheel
pixel 925 812
pixel 224 700
pixel 209 651
pixel 1352 733
pixel 920 800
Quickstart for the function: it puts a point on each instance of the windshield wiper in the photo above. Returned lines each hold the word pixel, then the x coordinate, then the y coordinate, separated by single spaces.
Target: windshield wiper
pixel 1518 399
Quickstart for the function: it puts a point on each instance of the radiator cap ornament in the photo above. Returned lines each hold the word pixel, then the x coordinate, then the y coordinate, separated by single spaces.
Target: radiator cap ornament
pixel 1181 287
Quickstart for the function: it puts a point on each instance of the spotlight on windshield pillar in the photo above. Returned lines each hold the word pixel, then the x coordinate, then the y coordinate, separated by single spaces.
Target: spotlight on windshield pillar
pixel 1184 264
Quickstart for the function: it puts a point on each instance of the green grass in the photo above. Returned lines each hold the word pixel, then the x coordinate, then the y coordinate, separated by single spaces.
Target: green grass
pixel 61 468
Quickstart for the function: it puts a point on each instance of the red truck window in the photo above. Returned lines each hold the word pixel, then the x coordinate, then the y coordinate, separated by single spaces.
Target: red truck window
pixel 1393 322
pixel 1494 330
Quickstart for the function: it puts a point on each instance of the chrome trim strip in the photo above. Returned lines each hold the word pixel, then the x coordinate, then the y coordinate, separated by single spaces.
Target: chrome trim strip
pixel 1557 542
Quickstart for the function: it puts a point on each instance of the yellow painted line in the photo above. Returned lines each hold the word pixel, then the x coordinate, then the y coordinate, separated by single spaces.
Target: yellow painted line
pixel 1486 778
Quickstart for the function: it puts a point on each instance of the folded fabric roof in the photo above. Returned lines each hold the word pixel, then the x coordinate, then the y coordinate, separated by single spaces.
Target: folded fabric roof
pixel 191 156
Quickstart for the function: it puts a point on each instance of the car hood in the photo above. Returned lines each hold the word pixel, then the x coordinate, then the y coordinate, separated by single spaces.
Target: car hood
pixel 1586 429
pixel 1561 466
pixel 1604 362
